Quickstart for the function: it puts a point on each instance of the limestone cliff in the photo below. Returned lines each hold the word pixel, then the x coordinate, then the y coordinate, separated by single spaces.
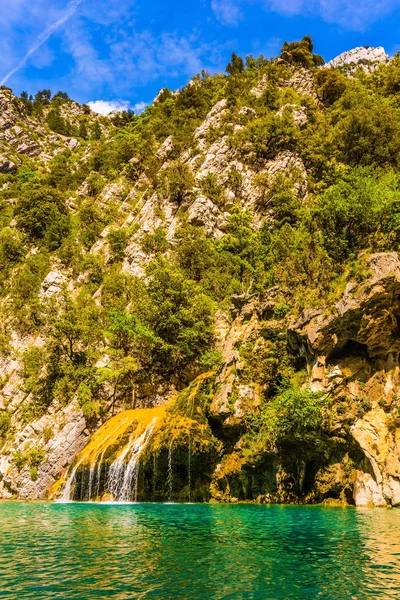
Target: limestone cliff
pixel 274 343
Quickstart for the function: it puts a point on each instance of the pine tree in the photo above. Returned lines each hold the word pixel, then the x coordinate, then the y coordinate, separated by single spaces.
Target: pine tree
pixel 55 121
pixel 82 131
pixel 236 65
pixel 96 131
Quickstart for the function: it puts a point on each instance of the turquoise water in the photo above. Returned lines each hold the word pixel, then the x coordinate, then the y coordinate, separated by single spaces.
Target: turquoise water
pixel 197 552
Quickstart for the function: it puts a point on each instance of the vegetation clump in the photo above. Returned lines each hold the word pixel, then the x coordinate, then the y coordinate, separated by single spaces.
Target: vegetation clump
pixel 122 248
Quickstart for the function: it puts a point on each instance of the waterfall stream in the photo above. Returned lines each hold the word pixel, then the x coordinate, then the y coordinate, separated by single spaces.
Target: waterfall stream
pixel 190 470
pixel 121 477
pixel 169 477
pixel 131 470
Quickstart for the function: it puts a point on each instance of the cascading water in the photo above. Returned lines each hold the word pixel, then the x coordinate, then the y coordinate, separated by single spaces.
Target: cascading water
pixel 94 477
pixel 189 469
pixel 66 496
pixel 123 491
pixel 92 474
pixel 170 473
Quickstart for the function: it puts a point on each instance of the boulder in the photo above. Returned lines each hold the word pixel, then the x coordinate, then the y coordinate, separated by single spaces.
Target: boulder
pixel 368 315
pixel 6 165
pixel 52 284
pixel 379 439
pixel 362 56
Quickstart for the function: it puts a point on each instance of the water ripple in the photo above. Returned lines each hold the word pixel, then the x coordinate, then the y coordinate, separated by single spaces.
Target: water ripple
pixel 197 552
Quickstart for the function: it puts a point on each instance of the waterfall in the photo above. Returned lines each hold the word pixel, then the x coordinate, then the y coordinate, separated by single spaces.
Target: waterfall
pixel 169 477
pixel 98 474
pixel 154 478
pixel 189 470
pixel 93 476
pixel 66 496
pixel 116 473
pixel 122 477
pixel 131 475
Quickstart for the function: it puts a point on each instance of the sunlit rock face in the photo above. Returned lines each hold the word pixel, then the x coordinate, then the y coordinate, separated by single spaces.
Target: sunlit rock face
pixel 194 435
pixel 379 438
pixel 365 57
pixel 353 353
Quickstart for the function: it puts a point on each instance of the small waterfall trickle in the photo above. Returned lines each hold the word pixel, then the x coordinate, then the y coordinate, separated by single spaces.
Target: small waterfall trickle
pixel 131 476
pixel 66 495
pixel 92 473
pixel 190 470
pixel 82 487
pixel 98 474
pixel 154 479
pixel 170 473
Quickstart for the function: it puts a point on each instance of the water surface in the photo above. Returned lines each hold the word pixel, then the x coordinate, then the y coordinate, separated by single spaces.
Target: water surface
pixel 197 552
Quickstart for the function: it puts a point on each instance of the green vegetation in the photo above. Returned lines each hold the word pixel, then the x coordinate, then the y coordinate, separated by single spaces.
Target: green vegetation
pixel 5 420
pixel 142 281
pixel 302 53
pixel 293 416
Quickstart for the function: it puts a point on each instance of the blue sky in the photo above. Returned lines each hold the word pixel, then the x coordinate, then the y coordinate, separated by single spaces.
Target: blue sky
pixel 123 51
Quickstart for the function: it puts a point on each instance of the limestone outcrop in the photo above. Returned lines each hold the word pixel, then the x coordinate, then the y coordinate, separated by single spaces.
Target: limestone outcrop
pixel 368 314
pixel 352 351
pixel 364 57
pixel 378 435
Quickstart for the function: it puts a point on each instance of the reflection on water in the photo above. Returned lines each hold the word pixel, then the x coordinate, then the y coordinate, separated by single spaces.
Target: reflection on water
pixel 380 535
pixel 197 552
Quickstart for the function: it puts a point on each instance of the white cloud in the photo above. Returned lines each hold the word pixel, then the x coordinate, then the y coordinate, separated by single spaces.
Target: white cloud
pixel 105 107
pixel 354 14
pixel 139 107
pixel 135 58
pixel 43 37
pixel 110 55
pixel 349 14
pixel 227 11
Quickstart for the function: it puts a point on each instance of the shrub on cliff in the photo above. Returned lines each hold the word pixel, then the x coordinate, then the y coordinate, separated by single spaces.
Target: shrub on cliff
pixel 302 53
pixel 180 314
pixel 266 136
pixel 362 210
pixel 177 181
pixel 294 417
pixel 43 215
pixel 366 129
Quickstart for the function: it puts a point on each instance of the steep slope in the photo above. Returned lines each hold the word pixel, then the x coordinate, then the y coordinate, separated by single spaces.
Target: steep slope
pixel 231 255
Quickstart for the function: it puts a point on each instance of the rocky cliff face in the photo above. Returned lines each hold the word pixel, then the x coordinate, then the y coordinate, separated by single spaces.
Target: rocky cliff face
pixel 366 57
pixel 345 350
pixel 352 353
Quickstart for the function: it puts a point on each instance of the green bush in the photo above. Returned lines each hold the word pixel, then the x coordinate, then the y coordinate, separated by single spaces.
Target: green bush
pixel 210 187
pixel 367 129
pixel 155 242
pixel 177 181
pixel 266 136
pixel 302 53
pixel 118 239
pixel 43 215
pixel 5 421
pixel 180 315
pixel 293 417
pixel 361 211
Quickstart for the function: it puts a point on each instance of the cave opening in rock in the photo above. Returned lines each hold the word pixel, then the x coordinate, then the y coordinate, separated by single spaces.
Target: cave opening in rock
pixel 349 348
pixel 397 325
